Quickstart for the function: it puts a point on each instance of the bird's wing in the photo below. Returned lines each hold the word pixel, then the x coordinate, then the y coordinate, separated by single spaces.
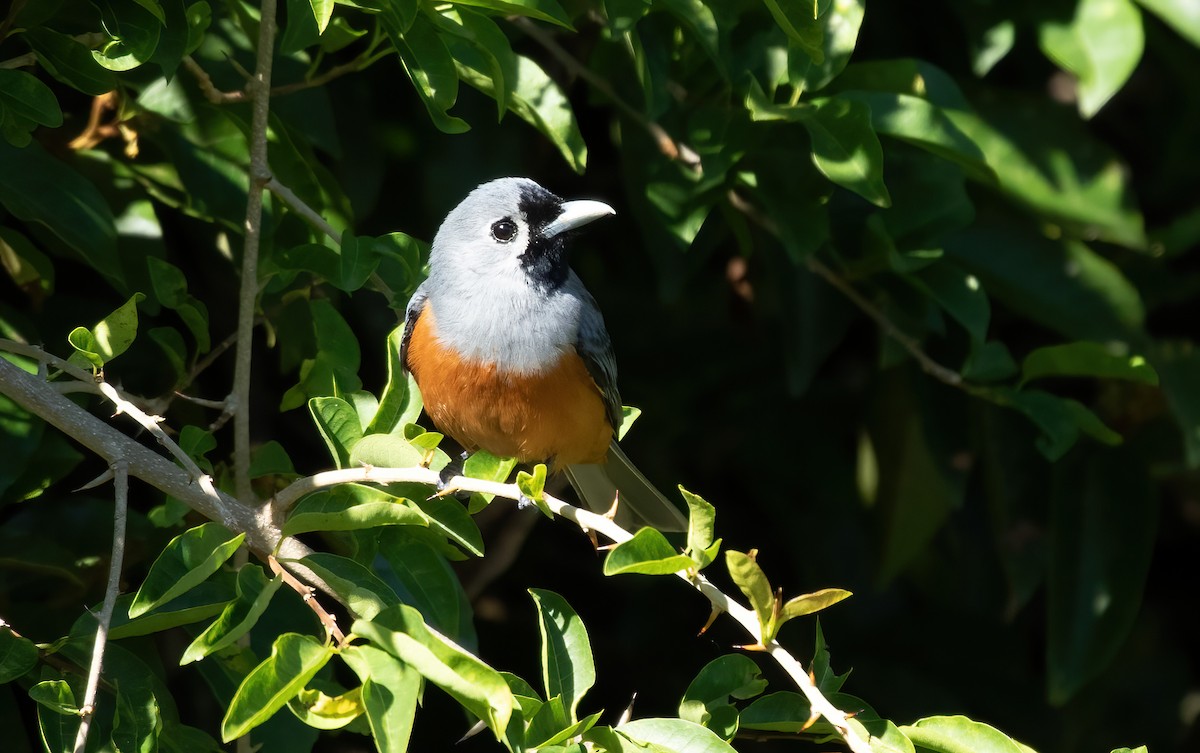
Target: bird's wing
pixel 416 304
pixel 595 348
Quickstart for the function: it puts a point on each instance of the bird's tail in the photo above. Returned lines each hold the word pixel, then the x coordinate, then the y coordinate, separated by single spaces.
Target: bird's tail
pixel 640 503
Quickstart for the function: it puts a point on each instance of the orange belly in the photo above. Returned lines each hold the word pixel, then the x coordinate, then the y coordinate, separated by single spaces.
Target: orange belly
pixel 557 415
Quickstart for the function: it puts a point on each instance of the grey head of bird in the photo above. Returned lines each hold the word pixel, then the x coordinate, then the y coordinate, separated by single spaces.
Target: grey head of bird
pixel 510 232
pixel 499 280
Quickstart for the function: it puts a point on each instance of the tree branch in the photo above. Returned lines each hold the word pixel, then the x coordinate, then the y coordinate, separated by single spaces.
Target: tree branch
pixel 590 521
pixel 239 399
pixel 121 495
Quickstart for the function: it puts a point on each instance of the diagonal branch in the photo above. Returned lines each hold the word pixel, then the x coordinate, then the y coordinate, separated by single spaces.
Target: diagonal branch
pixel 590 521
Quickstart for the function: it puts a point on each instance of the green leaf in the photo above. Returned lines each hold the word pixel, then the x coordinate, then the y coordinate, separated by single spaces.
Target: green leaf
pixel 320 710
pixel 338 423
pixel 1102 45
pixel 785 711
pixel 270 459
pixel 958 734
pixel 676 735
pixel 449 517
pixel 798 19
pixel 533 486
pixel 537 100
pixel 170 288
pixel 55 695
pixel 484 465
pixel 360 589
pixel 1103 523
pixel 1061 419
pixel 424 580
pixel 133 34
pixel 1087 359
pixel 701 520
pixel 752 581
pixel 429 65
pixel 322 12
pixel 294 660
pixel 23 96
pixel 40 189
pixel 648 553
pixel 186 562
pixel 390 692
pixel 70 61
pixel 254 593
pixel 400 403
pixel 811 603
pixel 200 603
pixel 386 451
pixel 839 35
pixel 729 676
pixel 1180 15
pixel 400 631
pixel 543 10
pixel 568 670
pixel 111 336
pixel 350 507
pixel 959 294
pixel 17 655
pixel 845 148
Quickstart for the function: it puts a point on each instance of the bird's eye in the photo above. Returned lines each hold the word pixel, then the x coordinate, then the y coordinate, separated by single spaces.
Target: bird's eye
pixel 504 230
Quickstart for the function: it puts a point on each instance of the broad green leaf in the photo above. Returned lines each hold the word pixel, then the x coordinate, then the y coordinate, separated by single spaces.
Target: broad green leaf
pixel 785 711
pixel 537 100
pixel 390 691
pixel 647 553
pixel 55 695
pixel 429 65
pixel 904 76
pixel 544 10
pixel 70 61
pixel 448 516
pixel 338 423
pixel 806 604
pixel 568 670
pixel 170 288
pixel 402 632
pixel 188 560
pixel 200 603
pixel 109 338
pixel 629 414
pixel 1102 531
pixel 133 35
pixel 752 581
pixel 1061 419
pixel 323 711
pixel 1181 15
pixel 254 593
pixel 294 660
pixel 918 121
pixel 17 655
pixel 385 451
pixel 839 36
pixel 425 580
pixel 798 19
pixel 357 258
pixel 360 589
pixel 40 189
pixel 23 96
pixel 173 38
pixel 676 735
pixel 701 519
pixel 958 734
pixel 301 30
pixel 1087 359
pixel 1101 45
pixel 533 486
pixel 484 465
pixel 958 292
pixel 332 368
pixel 270 459
pixel 322 12
pixel 699 22
pixel 350 507
pixel 845 148
pixel 400 403
pixel 707 698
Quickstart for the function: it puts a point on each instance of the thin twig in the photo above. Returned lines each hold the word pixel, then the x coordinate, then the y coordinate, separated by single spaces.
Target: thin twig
pixel 239 399
pixel 308 595
pixel 297 204
pixel 670 147
pixel 931 367
pixel 588 521
pixel 335 72
pixel 207 87
pixel 121 495
pixel 151 424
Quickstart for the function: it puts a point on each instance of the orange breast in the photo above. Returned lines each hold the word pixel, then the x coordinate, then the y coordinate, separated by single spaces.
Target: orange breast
pixel 557 415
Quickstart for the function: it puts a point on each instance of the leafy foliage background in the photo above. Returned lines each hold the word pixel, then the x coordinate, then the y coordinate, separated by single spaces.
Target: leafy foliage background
pixel 1018 525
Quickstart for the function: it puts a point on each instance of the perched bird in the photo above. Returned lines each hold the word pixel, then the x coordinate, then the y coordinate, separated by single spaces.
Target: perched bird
pixel 510 352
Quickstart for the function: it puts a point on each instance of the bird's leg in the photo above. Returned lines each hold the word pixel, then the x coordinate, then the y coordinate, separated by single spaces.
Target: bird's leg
pixel 452 469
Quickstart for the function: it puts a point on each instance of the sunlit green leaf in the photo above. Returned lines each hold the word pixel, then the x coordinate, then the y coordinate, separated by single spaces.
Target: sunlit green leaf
pixel 1101 45
pixel 568 670
pixel 647 553
pixel 254 592
pixel 1087 359
pixel 188 560
pixel 294 660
